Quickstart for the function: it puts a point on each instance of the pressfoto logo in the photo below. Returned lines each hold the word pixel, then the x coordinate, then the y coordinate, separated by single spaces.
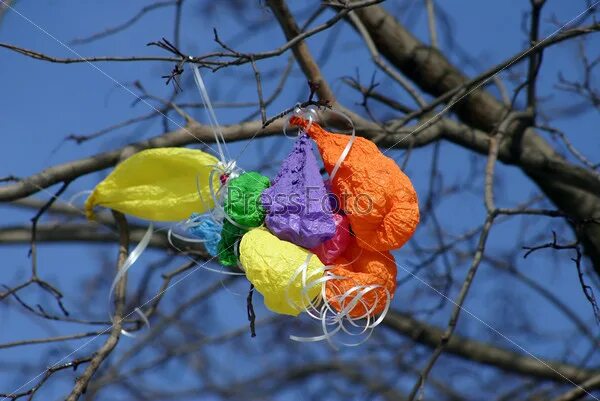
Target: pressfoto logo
pixel 295 203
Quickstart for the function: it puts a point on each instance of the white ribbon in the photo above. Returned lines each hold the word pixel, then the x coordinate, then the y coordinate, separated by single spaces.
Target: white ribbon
pixel 346 150
pixel 131 259
pixel 210 112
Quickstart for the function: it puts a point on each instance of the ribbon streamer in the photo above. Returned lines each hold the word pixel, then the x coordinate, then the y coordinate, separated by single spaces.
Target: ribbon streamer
pixel 320 308
pixel 210 112
pixel 131 259
pixel 346 150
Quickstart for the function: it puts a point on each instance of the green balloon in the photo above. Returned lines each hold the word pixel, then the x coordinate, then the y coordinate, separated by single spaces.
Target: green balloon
pixel 243 205
pixel 230 234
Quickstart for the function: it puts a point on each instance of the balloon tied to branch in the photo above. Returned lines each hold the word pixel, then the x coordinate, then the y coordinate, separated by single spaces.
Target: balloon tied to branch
pixel 307 243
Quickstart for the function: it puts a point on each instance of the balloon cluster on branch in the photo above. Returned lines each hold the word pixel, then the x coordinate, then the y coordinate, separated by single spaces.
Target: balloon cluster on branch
pixel 307 243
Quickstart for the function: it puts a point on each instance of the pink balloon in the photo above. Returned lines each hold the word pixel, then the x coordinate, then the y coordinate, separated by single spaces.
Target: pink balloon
pixel 329 250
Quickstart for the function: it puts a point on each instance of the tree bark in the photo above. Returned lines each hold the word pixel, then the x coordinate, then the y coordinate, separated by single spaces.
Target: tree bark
pixel 432 72
pixel 487 354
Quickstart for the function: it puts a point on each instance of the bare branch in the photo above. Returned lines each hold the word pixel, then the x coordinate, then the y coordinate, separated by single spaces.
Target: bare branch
pixel 124 25
pixel 300 49
pixel 82 382
pixel 34 222
pixel 535 59
pixel 487 354
pixel 587 290
pixel 66 60
pixel 403 82
pixel 431 23
pixel 581 391
pixel 46 340
pixel 46 375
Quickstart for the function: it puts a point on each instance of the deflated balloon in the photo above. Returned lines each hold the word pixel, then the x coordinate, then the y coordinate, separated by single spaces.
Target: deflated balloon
pixel 297 204
pixel 243 206
pixel 329 250
pixel 208 230
pixel 270 264
pixel 157 184
pixel 360 269
pixel 226 249
pixel 377 196
pixel 243 199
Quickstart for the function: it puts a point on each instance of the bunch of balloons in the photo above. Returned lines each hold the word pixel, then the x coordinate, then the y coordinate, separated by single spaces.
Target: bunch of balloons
pixel 307 244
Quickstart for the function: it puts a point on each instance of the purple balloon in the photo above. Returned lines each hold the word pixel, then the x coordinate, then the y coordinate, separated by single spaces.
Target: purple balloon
pixel 297 204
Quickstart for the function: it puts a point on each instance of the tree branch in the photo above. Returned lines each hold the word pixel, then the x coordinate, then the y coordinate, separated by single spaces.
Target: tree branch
pixel 300 49
pixel 431 71
pixel 115 332
pixel 487 354
pixel 581 391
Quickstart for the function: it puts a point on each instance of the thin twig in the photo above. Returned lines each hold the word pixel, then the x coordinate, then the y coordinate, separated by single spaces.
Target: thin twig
pixel 587 289
pixel 83 381
pixel 577 393
pixel 574 151
pixel 46 340
pixel 261 102
pixel 484 77
pixel 535 59
pixel 479 252
pixel 74 364
pixel 34 222
pixel 250 309
pixel 431 23
pixel 124 25
pixel 378 60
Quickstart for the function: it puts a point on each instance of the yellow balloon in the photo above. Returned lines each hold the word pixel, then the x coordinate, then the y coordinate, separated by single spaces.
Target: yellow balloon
pixel 271 263
pixel 158 184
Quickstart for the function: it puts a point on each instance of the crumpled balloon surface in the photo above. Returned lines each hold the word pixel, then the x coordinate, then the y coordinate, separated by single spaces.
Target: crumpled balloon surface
pixel 226 249
pixel 157 184
pixel 297 204
pixel 270 264
pixel 377 196
pixel 208 230
pixel 243 199
pixel 329 250
pixel 244 208
pixel 361 267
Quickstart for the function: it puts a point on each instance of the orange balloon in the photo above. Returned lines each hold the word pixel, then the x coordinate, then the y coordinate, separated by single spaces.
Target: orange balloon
pixel 377 196
pixel 361 267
